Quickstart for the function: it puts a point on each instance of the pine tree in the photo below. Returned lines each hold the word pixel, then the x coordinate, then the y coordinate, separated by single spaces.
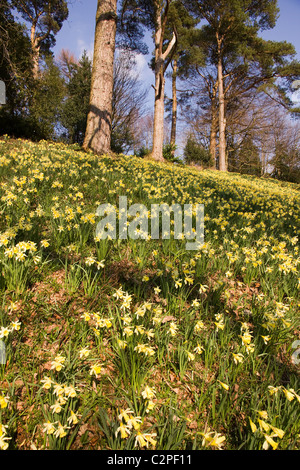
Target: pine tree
pixel 242 60
pixel 76 106
pixel 98 129
pixel 45 18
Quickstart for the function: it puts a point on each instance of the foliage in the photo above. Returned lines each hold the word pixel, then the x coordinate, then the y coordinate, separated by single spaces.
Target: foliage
pixel 141 344
pixel 46 16
pixel 45 108
pixel 15 68
pixel 196 153
pixel 76 105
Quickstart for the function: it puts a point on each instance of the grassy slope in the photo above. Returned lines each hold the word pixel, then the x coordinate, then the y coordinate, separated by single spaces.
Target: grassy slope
pixel 210 331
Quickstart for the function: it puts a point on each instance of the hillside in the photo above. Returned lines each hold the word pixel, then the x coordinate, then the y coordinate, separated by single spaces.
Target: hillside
pixel 128 344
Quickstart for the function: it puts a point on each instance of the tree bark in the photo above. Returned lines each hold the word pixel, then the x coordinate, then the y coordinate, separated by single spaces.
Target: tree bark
pixel 160 68
pixel 174 106
pixel 35 47
pixel 222 120
pixel 98 129
pixel 159 108
pixel 213 129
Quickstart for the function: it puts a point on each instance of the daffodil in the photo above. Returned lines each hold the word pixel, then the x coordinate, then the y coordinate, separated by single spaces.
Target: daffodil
pixel 4 400
pixel 140 440
pixel 61 431
pixel 56 407
pixel 266 338
pixel 212 439
pixel 149 438
pixel 173 329
pixel 238 358
pixel 191 356
pixel 3 438
pixel 134 422
pixel 252 425
pixel 49 427
pixel 123 430
pixel 148 393
pixel 95 369
pixel 58 363
pixel 73 418
pixel 84 352
pixel 4 332
pixel 224 385
pixel 290 395
pixel 70 391
pixel 269 442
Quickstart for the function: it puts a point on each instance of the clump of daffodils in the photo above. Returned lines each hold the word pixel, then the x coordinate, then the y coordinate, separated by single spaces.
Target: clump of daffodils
pixel 6 330
pixel 129 423
pixel 212 439
pixel 268 431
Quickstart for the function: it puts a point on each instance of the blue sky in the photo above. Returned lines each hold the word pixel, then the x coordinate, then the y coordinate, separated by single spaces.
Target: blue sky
pixel 77 33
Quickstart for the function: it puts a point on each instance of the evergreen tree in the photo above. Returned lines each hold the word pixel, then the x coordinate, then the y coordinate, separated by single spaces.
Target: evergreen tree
pixel 237 53
pixel 76 106
pixel 196 153
pixel 45 19
pixel 99 121
pixel 46 104
pixel 16 72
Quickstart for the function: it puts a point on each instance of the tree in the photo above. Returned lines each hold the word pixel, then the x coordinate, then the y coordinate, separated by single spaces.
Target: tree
pixel 162 59
pixel 16 72
pixel 242 60
pixel 127 100
pixel 46 105
pixel 127 103
pixel 196 153
pixel 99 121
pixel 45 18
pixel 284 147
pixel 154 15
pixel 78 76
pixel 66 62
pixel 184 25
pixel 229 25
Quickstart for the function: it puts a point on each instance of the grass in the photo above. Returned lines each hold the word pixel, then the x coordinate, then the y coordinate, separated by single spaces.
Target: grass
pixel 128 344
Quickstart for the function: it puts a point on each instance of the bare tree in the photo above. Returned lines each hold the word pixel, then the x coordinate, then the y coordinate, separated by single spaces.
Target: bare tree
pixel 66 61
pixel 128 101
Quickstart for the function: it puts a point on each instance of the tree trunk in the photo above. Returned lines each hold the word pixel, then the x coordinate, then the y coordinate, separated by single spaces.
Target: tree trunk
pixel 174 107
pixel 35 47
pixel 222 121
pixel 35 61
pixel 98 129
pixel 160 68
pixel 159 109
pixel 213 131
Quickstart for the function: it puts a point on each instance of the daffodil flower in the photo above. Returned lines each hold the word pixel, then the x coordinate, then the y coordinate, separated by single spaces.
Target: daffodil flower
pixel 123 430
pixel 73 418
pixel 148 393
pixel 225 386
pixel 61 431
pixel 95 369
pixel 49 427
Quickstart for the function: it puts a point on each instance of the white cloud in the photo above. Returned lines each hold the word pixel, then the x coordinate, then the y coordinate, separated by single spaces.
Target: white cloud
pixel 141 65
pixel 83 46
